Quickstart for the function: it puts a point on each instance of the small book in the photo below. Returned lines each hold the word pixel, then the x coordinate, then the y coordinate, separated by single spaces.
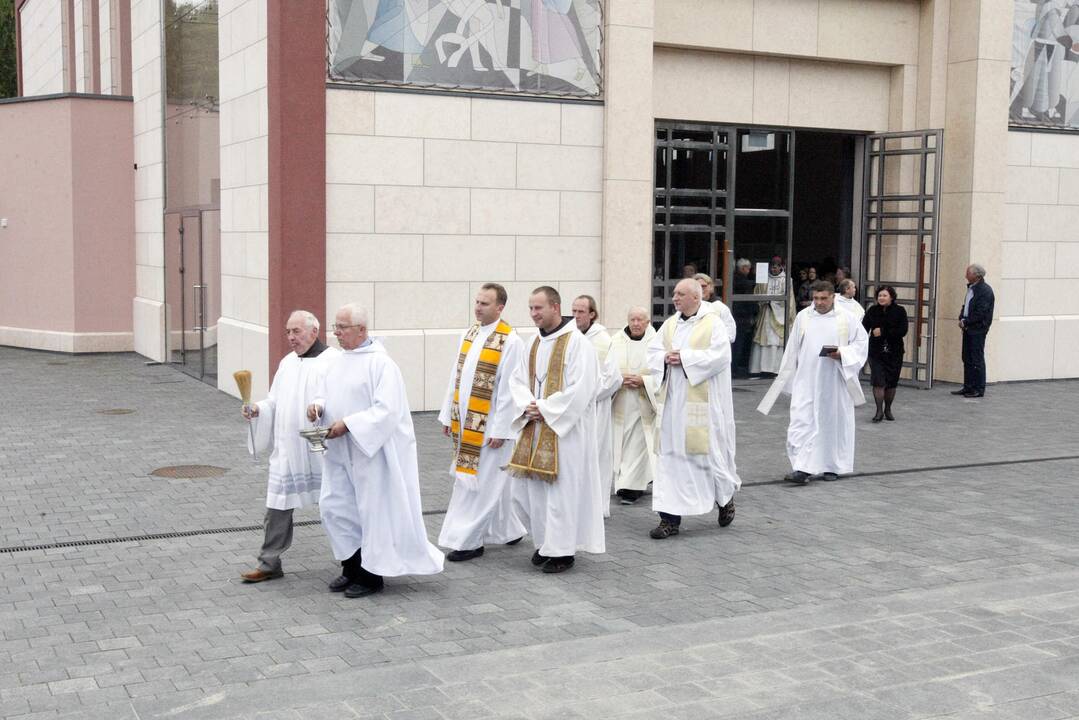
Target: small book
pixel 828 350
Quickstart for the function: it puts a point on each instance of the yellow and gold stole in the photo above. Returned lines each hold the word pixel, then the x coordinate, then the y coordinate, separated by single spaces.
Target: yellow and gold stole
pixel 541 462
pixel 469 438
pixel 700 338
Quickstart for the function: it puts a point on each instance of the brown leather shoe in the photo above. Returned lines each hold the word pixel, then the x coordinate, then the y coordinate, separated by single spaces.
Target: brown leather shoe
pixel 256 575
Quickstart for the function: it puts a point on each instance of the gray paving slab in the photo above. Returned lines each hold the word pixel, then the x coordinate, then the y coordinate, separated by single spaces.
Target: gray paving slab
pixel 907 591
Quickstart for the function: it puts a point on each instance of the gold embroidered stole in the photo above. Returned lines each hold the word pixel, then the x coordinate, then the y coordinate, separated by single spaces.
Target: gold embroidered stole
pixel 469 438
pixel 532 458
pixel 700 338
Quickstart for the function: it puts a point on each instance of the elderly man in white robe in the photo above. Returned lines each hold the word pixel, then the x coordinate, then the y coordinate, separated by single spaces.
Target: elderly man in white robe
pixel 711 303
pixel 634 408
pixel 696 469
pixel 476 413
pixel 826 350
pixel 370 501
pixel 295 474
pixel 586 314
pixel 554 461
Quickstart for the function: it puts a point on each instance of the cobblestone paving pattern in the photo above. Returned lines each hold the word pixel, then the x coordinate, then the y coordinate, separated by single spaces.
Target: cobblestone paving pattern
pixel 941 593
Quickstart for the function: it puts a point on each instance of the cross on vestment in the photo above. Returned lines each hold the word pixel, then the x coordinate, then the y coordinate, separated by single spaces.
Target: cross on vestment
pixel 697 414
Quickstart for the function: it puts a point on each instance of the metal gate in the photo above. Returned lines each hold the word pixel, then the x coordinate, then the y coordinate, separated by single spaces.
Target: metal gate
pixel 900 221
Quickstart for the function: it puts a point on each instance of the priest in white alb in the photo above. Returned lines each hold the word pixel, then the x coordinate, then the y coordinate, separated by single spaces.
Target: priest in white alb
pixel 476 413
pixel 825 352
pixel 370 502
pixel 844 299
pixel 554 461
pixel 695 471
pixel 295 473
pixel 766 354
pixel 711 303
pixel 586 314
pixel 634 408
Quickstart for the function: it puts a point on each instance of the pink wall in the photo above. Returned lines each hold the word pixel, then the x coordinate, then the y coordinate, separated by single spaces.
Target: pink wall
pixel 67 255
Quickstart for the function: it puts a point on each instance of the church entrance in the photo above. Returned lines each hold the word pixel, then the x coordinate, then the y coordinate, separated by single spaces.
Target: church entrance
pixel 762 211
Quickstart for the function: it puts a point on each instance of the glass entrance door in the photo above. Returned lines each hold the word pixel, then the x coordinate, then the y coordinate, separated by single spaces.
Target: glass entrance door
pixel 900 211
pixel 690 209
pixel 192 263
pixel 723 207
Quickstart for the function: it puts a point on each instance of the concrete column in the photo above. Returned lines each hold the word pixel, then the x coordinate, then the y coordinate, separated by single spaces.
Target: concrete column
pixel 627 159
pixel 975 160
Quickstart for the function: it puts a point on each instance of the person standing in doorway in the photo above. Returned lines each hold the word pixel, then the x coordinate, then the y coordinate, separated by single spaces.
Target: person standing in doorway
pixel 975 317
pixel 886 323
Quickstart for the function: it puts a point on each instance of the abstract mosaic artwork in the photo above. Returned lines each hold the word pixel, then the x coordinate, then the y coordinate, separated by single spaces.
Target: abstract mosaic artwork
pixel 541 47
pixel 1045 64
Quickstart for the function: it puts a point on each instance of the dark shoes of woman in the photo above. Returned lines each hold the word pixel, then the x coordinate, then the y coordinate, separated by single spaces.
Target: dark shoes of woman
pixel 879 416
pixel 888 415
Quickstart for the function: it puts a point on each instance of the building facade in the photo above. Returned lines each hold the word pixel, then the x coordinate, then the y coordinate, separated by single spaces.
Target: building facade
pixel 321 153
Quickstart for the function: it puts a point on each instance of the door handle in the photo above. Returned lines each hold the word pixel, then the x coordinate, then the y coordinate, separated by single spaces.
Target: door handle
pixel 200 307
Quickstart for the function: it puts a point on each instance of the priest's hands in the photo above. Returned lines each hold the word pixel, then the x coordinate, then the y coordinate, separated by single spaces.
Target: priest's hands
pixel 336 430
pixel 673 358
pixel 495 443
pixel 250 411
pixel 835 355
pixel 876 332
pixel 532 412
pixel 445 430
pixel 314 412
pixel 632 381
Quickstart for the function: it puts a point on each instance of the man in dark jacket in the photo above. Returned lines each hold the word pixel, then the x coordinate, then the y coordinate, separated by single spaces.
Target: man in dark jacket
pixel 975 317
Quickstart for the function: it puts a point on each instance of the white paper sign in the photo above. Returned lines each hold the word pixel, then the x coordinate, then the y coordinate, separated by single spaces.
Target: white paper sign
pixel 762 273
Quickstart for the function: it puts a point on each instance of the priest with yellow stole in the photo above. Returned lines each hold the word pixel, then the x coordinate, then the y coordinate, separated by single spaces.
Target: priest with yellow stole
pixel 476 414
pixel 556 488
pixel 695 471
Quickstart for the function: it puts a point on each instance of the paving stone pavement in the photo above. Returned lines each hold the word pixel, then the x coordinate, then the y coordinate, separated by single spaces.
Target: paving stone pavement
pixel 942 581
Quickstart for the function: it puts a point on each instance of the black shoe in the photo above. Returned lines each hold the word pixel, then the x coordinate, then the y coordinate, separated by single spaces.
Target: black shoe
pixel 726 514
pixel 663 530
pixel 538 559
pixel 558 564
pixel 514 542
pixel 878 417
pixel 961 391
pixel 888 415
pixel 798 477
pixel 829 477
pixel 340 584
pixel 356 590
pixel 974 393
pixel 460 555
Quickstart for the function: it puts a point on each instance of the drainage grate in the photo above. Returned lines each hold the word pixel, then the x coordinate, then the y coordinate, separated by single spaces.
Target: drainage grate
pixel 138 538
pixel 188 472
pixel 116 411
pixel 161 536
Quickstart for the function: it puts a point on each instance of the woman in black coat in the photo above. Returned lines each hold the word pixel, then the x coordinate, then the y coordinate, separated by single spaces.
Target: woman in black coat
pixel 886 323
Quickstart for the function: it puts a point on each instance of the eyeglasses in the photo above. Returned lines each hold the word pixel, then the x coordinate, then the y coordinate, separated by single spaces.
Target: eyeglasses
pixel 337 327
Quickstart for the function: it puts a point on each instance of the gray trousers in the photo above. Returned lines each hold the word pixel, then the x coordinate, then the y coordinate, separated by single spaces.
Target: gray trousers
pixel 278 539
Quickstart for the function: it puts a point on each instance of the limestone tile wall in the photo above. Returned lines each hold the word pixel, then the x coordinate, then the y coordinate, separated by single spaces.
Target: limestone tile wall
pixel 770 90
pixel 41 31
pixel 884 32
pixel 1038 286
pixel 242 329
pixel 429 196
pixel 149 301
